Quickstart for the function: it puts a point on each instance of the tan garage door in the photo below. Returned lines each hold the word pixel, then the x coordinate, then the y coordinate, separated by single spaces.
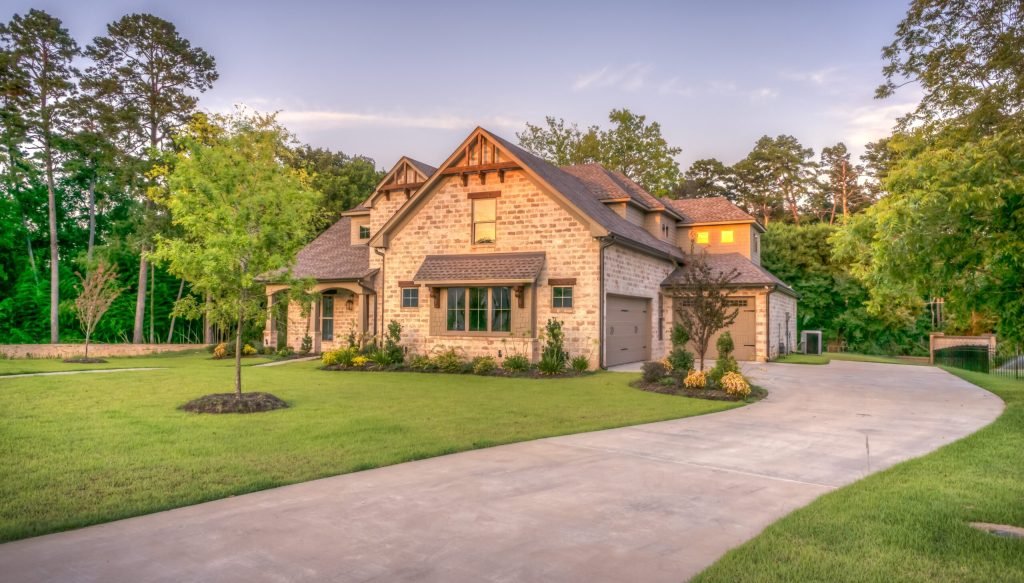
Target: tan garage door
pixel 743 331
pixel 627 330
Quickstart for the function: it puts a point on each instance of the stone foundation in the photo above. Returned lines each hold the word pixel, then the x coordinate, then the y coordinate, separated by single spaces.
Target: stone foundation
pixel 97 350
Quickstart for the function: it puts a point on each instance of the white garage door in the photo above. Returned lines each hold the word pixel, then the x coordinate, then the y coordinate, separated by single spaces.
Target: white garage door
pixel 627 330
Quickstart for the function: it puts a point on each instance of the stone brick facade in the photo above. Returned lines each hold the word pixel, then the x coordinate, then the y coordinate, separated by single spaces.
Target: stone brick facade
pixel 631 273
pixel 782 324
pixel 527 220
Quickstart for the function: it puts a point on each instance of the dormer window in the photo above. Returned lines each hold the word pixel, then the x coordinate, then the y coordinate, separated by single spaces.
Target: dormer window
pixel 364 231
pixel 703 238
pixel 727 236
pixel 664 231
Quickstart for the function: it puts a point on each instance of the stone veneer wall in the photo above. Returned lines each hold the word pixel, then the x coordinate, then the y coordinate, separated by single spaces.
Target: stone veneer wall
pixel 632 273
pixel 781 305
pixel 299 326
pixel 95 349
pixel 527 220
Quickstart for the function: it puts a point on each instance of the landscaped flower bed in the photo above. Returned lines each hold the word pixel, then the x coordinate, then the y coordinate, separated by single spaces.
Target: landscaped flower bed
pixel 554 361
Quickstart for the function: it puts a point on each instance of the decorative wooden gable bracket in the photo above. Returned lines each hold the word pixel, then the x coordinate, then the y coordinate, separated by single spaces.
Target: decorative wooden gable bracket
pixel 480 157
pixel 405 178
pixel 520 292
pixel 435 295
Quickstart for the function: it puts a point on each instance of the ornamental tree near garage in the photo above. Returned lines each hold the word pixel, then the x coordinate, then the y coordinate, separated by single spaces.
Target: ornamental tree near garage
pixel 241 210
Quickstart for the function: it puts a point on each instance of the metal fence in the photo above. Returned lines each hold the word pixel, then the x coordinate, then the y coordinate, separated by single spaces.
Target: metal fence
pixel 982 359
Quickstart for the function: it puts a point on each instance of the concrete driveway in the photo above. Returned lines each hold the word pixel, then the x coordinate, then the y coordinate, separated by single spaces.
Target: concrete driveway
pixel 656 502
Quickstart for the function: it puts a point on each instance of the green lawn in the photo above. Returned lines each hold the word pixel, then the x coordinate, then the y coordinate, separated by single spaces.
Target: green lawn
pixel 827 357
pixel 908 523
pixel 202 357
pixel 84 449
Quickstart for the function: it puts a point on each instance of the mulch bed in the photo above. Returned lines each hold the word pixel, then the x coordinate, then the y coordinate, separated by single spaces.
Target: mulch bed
pixel 231 403
pixel 530 374
pixel 756 392
pixel 82 360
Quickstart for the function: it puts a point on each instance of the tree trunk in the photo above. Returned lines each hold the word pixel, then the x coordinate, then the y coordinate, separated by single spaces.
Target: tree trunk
pixel 207 326
pixel 170 333
pixel 92 220
pixel 238 356
pixel 140 300
pixel 54 266
pixel 87 346
pixel 152 304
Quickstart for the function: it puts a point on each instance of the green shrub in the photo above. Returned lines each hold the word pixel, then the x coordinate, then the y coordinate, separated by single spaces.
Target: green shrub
pixel 552 356
pixel 725 363
pixel 669 381
pixel 392 343
pixel 285 351
pixel 680 358
pixel 420 363
pixel 342 357
pixel 516 363
pixel 653 371
pixel 484 365
pixel 580 364
pixel 248 350
pixel 449 361
pixel 382 358
pixel 307 344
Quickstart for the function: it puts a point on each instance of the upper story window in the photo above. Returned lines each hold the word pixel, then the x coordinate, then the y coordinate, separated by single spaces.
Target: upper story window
pixel 364 231
pixel 757 243
pixel 665 231
pixel 484 218
pixel 703 238
pixel 727 236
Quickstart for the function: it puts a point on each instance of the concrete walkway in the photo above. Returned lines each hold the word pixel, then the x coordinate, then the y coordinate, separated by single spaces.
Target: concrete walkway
pixel 288 361
pixel 67 372
pixel 656 502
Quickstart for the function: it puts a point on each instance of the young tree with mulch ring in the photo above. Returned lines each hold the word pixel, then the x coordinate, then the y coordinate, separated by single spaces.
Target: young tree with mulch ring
pixel 241 212
pixel 702 301
pixel 99 290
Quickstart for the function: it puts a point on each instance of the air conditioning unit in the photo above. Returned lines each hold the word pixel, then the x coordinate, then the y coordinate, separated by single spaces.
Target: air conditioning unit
pixel 811 341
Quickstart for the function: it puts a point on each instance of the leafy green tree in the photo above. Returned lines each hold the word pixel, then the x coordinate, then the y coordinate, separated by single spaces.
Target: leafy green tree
pixel 242 212
pixel 967 58
pixel 345 181
pixel 777 174
pixel 707 178
pixel 840 189
pixel 702 302
pixel 41 52
pixel 562 144
pixel 631 146
pixel 145 77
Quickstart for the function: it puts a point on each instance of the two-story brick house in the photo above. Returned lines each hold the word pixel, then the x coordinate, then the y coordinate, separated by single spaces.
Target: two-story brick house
pixel 480 252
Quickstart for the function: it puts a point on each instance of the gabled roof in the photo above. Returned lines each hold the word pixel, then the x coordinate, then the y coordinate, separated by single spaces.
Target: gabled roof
pixel 705 211
pixel 581 197
pixel 613 185
pixel 425 169
pixel 392 178
pixel 481 267
pixel 750 274
pixel 332 256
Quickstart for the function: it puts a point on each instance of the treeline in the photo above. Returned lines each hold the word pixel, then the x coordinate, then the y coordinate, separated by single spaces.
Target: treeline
pixel 925 232
pixel 85 135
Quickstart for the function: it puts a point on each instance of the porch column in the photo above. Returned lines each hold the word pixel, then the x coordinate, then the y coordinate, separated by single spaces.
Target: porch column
pixel 270 332
pixel 315 332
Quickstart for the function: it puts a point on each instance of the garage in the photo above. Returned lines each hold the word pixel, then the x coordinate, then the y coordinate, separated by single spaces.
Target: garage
pixel 743 330
pixel 627 330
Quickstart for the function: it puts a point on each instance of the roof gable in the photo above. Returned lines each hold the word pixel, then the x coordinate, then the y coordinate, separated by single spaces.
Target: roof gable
pixel 407 176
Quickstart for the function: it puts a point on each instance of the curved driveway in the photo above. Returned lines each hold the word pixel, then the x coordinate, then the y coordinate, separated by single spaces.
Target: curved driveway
pixel 656 502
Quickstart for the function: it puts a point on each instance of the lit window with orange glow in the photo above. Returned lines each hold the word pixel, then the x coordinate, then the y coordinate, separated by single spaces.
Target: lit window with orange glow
pixel 702 238
pixel 727 236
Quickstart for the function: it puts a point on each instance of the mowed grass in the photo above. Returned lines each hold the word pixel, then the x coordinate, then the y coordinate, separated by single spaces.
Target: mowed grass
pixel 910 522
pixel 84 449
pixel 826 357
pixel 39 365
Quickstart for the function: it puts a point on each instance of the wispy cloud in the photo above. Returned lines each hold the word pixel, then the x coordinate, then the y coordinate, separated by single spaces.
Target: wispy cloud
pixel 631 77
pixel 764 94
pixel 870 122
pixel 326 118
pixel 818 77
pixel 673 87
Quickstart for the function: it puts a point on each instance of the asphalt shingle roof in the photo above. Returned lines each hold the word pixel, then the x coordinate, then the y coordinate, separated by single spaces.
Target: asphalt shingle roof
pixel 481 266
pixel 749 272
pixel 612 185
pixel 332 256
pixel 708 210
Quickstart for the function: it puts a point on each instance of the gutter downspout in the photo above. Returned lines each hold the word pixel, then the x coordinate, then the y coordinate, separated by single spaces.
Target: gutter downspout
pixel 606 241
pixel 768 322
pixel 383 282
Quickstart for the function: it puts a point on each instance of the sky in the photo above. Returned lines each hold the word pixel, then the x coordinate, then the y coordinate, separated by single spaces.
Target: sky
pixel 386 79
